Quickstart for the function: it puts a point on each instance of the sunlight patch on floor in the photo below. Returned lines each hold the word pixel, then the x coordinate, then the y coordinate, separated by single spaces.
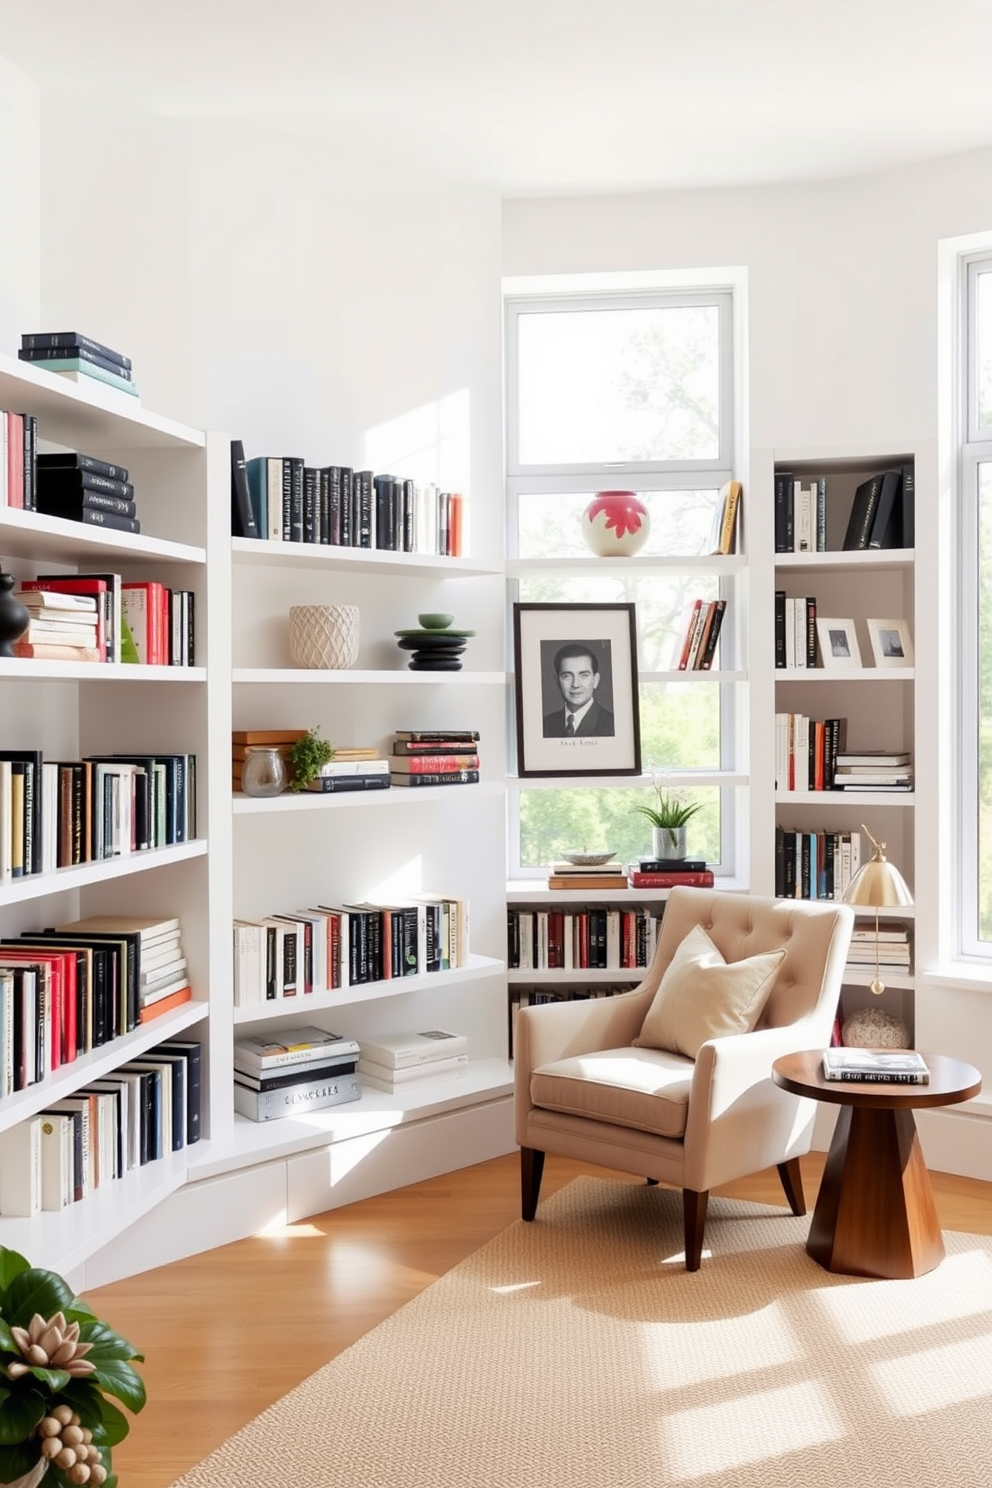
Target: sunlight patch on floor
pixel 718 1347
pixel 935 1378
pixel 960 1287
pixel 517 1286
pixel 754 1427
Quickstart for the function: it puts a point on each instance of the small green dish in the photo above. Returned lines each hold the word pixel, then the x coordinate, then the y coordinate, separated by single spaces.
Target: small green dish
pixel 435 622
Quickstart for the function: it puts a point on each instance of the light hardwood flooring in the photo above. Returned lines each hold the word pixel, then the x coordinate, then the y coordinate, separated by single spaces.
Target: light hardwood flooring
pixel 226 1333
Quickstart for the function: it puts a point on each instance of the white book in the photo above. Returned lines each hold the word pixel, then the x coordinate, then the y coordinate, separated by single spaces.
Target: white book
pixel 405 1050
pixel 790 632
pixel 20 1169
pixel 300 1044
pixel 393 1081
pixel 318 944
pixel 6 821
pixel 6 1031
pixel 56 1161
pixel 274 477
pixel 49 816
pixel 53 599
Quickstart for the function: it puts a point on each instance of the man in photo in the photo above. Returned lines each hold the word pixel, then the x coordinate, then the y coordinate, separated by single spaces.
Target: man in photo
pixel 577 674
pixel 838 644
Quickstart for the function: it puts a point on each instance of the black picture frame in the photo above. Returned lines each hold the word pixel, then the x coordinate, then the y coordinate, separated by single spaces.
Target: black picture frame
pixel 601 685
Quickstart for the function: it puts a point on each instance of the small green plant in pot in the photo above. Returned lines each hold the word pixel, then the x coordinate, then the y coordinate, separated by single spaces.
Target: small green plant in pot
pixel 307 757
pixel 669 814
pixel 58 1366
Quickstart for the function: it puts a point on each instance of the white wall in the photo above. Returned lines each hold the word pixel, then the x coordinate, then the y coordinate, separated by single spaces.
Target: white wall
pixel 20 207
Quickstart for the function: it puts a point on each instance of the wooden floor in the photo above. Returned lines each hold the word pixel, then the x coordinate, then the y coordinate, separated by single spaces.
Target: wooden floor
pixel 228 1332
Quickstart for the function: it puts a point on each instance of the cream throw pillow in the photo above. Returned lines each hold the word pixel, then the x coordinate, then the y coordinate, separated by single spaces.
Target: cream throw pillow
pixel 702 996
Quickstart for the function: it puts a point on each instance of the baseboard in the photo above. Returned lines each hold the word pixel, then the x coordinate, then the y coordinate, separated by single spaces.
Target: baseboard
pixel 216 1211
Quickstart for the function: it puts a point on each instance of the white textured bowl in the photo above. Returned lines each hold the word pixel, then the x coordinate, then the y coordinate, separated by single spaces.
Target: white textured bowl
pixel 323 636
pixel 587 859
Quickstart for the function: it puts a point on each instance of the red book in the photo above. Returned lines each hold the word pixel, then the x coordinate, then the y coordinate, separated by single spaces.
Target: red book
pixel 701 879
pixel 165 1004
pixel 15 460
pixel 62 994
pixel 431 764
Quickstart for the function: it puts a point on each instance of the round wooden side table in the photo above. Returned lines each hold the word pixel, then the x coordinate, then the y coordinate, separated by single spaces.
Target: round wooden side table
pixel 875 1213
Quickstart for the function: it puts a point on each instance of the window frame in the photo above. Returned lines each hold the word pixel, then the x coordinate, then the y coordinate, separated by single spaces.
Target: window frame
pixel 523 478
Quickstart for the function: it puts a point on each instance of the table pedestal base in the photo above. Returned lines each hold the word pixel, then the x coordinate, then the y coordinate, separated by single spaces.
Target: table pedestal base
pixel 875 1213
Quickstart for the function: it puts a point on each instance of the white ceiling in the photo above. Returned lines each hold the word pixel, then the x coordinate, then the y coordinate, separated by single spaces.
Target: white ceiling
pixel 546 96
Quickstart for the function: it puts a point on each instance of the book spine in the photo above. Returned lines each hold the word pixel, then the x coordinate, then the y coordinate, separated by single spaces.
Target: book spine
pixel 39 341
pixel 878 1077
pixel 72 504
pixel 450 777
pixel 702 880
pixel 73 460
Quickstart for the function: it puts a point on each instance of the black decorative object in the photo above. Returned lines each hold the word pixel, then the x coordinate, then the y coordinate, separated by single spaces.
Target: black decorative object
pixel 435 646
pixel 14 617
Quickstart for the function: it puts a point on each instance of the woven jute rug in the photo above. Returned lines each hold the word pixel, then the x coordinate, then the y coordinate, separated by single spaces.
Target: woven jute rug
pixel 576 1350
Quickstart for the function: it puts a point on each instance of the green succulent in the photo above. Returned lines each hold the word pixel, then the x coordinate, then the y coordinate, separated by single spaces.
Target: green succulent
pixel 670 808
pixel 307 756
pixel 86 1363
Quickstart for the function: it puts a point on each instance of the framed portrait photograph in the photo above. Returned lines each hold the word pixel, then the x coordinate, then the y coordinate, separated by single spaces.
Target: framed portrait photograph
pixel 891 643
pixel 838 643
pixel 576 689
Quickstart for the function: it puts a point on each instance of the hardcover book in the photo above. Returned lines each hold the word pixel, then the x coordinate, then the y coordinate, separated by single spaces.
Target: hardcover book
pixel 409 1050
pixel 315 1095
pixel 301 1045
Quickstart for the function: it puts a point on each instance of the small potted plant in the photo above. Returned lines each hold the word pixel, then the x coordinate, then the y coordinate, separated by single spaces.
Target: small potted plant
pixel 669 814
pixel 58 1366
pixel 307 757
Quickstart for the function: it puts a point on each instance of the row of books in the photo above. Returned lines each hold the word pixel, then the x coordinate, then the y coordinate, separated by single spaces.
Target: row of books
pixel 795 631
pixel 815 865
pixel 135 1115
pixel 882 512
pixel 75 987
pixel 521 997
pixel 698 635
pixel 144 622
pixel 593 938
pixel 327 947
pixel 807 751
pixel 59 813
pixel 283 499
pixel 425 757
pixel 311 1068
pixel 76 357
pixel 646 873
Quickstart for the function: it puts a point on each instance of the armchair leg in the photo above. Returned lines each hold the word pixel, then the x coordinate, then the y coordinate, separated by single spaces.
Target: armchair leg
pixel 792 1181
pixel 694 1221
pixel 531 1172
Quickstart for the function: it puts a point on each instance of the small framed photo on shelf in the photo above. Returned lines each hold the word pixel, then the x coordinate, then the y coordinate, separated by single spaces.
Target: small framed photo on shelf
pixel 838 643
pixel 891 643
pixel 575 688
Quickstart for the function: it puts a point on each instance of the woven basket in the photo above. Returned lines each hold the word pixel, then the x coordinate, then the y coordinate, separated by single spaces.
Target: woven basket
pixel 323 636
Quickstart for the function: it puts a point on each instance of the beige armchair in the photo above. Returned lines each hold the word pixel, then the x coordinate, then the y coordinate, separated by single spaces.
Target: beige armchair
pixel 586 1087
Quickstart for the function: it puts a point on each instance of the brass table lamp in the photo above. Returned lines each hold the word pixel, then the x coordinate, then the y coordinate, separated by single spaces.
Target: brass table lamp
pixel 877 885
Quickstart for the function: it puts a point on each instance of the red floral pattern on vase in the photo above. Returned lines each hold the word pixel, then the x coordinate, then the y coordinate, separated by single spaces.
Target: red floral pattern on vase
pixel 616 524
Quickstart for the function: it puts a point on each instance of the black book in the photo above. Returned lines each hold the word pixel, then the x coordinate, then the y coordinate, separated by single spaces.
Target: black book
pixel 287 1075
pixel 72 504
pixel 72 481
pixel 386 494
pixel 292 471
pixel 863 509
pixel 326 785
pixel 311 505
pixel 324 506
pixel 784 514
pixel 175 1138
pixel 907 508
pixel 73 460
pixel 75 1115
pixel 30 485
pixel 96 518
pixel 363 506
pixel 65 340
pixel 450 777
pixel 124 1008
pixel 243 522
pixel 671 865
pixel 885 523
pixel 42 354
pixel 409 515
pixel 192 1053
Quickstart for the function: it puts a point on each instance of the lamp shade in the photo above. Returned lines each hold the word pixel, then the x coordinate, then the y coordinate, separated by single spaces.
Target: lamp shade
pixel 878 885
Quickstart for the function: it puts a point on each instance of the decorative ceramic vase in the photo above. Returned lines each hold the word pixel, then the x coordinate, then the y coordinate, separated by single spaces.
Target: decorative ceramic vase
pixel 264 773
pixel 14 617
pixel 668 842
pixel 616 524
pixel 323 636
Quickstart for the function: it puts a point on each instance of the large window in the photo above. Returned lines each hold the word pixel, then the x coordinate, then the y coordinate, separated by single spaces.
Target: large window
pixel 629 391
pixel 975 610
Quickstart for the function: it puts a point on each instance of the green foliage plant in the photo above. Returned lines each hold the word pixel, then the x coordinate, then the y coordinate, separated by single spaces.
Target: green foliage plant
pixel 58 1367
pixel 307 757
pixel 670 808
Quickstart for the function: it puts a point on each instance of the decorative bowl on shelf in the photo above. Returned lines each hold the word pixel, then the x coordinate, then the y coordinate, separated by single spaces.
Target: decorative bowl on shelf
pixel 587 859
pixel 436 621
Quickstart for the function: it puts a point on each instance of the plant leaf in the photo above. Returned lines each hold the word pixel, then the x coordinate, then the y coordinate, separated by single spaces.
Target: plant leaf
pixel 33 1290
pixel 106 1344
pixel 22 1410
pixel 10 1264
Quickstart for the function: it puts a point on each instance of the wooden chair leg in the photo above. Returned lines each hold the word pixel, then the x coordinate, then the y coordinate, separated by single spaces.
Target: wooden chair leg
pixel 792 1181
pixel 694 1222
pixel 531 1172
pixel 652 1182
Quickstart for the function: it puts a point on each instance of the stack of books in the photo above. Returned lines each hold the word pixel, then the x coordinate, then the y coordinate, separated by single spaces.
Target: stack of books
pixel 874 770
pixel 352 770
pixel 423 757
pixel 666 873
pixel 245 742
pixel 876 1066
pixel 161 965
pixel 82 488
pixel 569 875
pixel 892 946
pixel 306 1069
pixel 700 630
pixel 78 358
pixel 62 627
pixel 402 1061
